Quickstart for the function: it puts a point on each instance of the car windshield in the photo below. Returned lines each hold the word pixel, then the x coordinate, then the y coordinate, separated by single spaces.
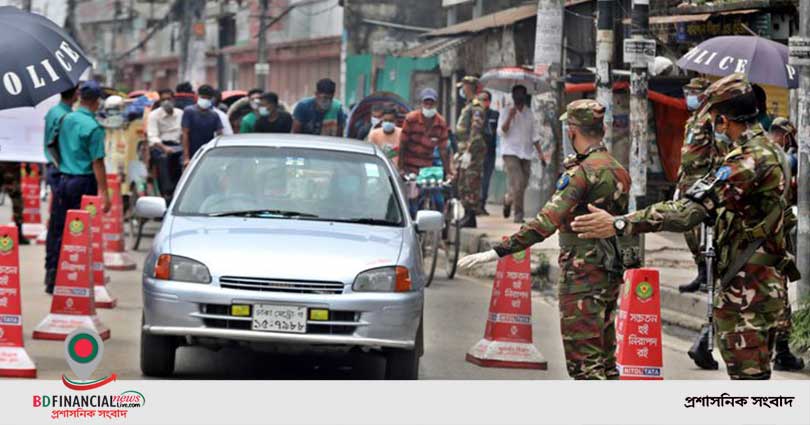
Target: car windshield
pixel 291 183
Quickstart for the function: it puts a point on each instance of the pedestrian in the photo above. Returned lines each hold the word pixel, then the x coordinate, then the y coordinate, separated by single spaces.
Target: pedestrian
pixel 271 118
pixel 200 123
pixel 745 202
pixel 322 114
pixel 783 134
pixel 164 129
pixel 227 130
pixel 387 136
pixel 473 149
pixel 491 137
pixel 364 128
pixel 423 131
pixel 591 271
pixel 516 129
pixel 701 154
pixel 184 96
pixel 81 149
pixel 248 123
pixel 11 183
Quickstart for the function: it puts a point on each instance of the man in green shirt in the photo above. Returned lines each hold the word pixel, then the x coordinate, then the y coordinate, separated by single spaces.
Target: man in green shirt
pixel 248 124
pixel 81 146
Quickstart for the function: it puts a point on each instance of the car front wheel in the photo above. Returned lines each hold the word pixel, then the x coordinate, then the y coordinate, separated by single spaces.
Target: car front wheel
pixel 404 364
pixel 157 354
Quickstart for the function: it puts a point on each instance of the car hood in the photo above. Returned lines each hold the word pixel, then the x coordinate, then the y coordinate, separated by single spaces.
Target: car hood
pixel 283 248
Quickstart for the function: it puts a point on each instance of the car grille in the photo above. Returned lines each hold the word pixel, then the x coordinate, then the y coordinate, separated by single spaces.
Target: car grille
pixel 274 285
pixel 223 320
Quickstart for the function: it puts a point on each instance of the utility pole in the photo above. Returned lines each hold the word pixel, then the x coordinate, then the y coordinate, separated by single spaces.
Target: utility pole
pixel 800 58
pixel 478 9
pixel 547 107
pixel 604 57
pixel 262 67
pixel 637 51
pixel 192 42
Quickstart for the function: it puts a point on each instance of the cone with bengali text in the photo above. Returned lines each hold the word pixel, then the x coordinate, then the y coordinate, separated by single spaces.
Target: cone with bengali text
pixel 73 305
pixel 93 205
pixel 32 216
pixel 507 338
pixel 14 360
pixel 115 255
pixel 638 327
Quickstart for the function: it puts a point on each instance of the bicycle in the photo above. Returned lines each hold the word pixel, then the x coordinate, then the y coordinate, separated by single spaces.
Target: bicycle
pixel 438 195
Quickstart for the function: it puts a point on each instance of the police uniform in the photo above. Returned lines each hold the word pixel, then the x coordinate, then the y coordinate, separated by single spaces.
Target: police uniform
pixel 470 134
pixel 10 172
pixel 81 141
pixel 591 270
pixel 745 198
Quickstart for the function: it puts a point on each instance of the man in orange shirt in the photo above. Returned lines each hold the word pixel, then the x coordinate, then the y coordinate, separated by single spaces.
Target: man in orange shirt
pixel 386 137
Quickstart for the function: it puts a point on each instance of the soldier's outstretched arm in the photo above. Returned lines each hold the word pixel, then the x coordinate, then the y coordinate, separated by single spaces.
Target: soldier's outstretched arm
pixel 671 216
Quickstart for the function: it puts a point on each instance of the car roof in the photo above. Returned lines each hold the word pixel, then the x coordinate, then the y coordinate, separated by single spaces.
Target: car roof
pixel 308 141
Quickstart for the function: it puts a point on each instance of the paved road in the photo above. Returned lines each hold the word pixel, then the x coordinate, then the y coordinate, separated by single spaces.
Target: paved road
pixel 454 320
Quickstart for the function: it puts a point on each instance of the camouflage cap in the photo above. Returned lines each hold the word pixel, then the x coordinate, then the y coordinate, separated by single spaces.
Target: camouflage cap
pixel 584 112
pixel 784 124
pixel 698 83
pixel 727 88
pixel 472 79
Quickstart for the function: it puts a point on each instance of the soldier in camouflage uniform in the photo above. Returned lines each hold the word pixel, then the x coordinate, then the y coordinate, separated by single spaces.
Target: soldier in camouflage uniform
pixel 744 200
pixel 783 134
pixel 472 147
pixel 591 271
pixel 10 172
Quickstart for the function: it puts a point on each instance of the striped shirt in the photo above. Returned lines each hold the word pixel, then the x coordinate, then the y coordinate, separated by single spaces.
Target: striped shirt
pixel 418 141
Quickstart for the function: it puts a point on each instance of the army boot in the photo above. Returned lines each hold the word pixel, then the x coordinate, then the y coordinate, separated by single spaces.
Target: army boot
pixel 20 237
pixel 700 354
pixel 469 220
pixel 698 282
pixel 784 359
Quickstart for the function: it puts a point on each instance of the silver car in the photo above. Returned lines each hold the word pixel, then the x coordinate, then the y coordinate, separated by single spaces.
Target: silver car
pixel 288 243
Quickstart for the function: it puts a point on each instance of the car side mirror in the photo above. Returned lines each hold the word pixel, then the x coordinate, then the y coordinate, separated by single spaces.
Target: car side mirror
pixel 150 207
pixel 429 221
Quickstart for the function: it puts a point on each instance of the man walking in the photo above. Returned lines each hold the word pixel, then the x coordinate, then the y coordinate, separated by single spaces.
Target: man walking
pixel 473 148
pixel 321 114
pixel 423 131
pixel 248 123
pixel 490 136
pixel 200 123
pixel 591 270
pixel 163 131
pixel 271 118
pixel 517 138
pixel 81 147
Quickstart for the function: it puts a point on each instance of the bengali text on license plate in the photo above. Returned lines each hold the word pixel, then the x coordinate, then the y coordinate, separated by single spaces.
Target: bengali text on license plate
pixel 279 318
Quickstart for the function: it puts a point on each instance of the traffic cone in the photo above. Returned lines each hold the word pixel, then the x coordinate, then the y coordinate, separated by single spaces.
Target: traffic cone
pixel 115 256
pixel 638 327
pixel 14 360
pixel 73 304
pixel 103 298
pixel 32 216
pixel 507 339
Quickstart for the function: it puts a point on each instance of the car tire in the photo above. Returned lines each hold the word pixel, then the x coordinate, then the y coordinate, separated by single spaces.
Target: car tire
pixel 403 365
pixel 157 354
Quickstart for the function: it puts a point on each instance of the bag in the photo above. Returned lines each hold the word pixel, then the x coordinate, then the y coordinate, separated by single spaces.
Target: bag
pixel 53 144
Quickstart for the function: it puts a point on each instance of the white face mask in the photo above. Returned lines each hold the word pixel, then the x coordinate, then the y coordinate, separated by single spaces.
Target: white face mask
pixel 254 103
pixel 375 121
pixel 204 103
pixel 428 112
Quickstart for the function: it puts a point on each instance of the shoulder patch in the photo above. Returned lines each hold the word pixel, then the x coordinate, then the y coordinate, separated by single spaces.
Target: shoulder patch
pixel 563 181
pixel 723 173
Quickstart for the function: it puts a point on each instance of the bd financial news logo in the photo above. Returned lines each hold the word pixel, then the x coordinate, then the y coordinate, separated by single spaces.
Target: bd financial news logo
pixel 83 352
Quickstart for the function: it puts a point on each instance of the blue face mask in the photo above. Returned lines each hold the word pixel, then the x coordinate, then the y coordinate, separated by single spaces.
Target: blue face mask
pixel 204 103
pixel 263 111
pixel 720 137
pixel 692 102
pixel 388 126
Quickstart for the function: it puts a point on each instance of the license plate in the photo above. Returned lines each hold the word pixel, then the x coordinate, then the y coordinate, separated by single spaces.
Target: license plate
pixel 279 318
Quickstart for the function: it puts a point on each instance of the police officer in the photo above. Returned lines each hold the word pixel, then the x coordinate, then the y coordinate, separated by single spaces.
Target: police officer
pixel 744 200
pixel 592 270
pixel 472 148
pixel 81 147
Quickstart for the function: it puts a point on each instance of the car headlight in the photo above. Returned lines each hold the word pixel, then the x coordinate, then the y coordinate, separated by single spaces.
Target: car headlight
pixel 385 279
pixel 182 269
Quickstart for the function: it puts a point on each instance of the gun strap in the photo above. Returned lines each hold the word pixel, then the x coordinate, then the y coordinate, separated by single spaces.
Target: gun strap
pixel 740 261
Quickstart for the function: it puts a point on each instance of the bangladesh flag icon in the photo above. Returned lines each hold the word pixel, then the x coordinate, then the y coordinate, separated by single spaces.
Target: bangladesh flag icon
pixel 83 351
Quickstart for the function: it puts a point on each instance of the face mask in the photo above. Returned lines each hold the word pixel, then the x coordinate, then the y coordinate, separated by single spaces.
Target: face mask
pixel 428 112
pixel 388 127
pixel 720 137
pixel 167 105
pixel 263 111
pixel 324 104
pixel 254 103
pixel 204 103
pixel 461 93
pixel 375 121
pixel 692 102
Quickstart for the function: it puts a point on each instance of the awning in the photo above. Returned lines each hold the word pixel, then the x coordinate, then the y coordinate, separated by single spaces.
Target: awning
pixel 494 20
pixel 433 47
pixel 698 17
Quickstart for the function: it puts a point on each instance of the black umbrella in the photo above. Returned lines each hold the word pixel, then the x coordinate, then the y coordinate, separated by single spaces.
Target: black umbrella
pixel 39 59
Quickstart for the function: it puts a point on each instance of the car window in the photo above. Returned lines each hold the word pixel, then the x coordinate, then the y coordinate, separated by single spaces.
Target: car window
pixel 319 184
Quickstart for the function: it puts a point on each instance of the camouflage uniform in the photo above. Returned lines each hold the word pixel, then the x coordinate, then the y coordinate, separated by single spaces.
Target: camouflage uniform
pixel 12 185
pixel 747 201
pixel 700 155
pixel 470 133
pixel 591 271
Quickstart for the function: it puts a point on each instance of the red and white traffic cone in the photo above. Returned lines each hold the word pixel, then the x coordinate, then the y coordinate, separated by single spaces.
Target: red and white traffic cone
pixel 32 216
pixel 14 360
pixel 73 304
pixel 115 255
pixel 638 327
pixel 507 339
pixel 92 204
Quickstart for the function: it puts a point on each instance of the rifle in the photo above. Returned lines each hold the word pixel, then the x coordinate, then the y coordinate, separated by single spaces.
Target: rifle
pixel 707 232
